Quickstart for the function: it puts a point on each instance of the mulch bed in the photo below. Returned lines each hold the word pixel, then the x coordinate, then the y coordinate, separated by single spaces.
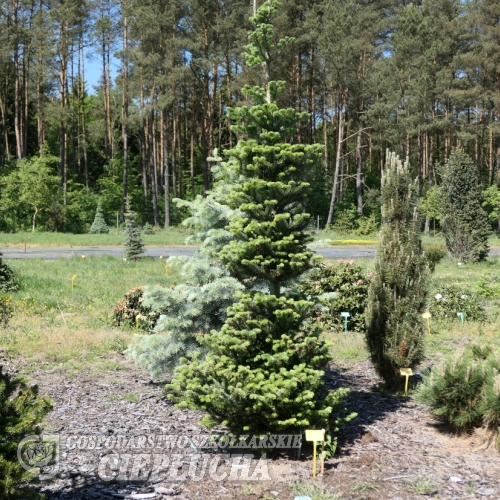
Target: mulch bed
pixel 392 450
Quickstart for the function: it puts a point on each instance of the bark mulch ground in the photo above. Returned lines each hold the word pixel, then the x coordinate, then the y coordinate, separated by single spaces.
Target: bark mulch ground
pixel 392 450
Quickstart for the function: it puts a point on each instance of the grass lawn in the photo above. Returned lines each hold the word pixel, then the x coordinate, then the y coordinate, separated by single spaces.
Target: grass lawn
pixel 175 236
pixel 52 324
pixel 166 237
pixel 450 335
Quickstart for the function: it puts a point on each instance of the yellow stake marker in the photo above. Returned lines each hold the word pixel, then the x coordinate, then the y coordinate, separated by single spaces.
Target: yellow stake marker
pixel 73 278
pixel 137 318
pixel 83 257
pixel 315 436
pixel 427 316
pixel 406 372
pixel 166 270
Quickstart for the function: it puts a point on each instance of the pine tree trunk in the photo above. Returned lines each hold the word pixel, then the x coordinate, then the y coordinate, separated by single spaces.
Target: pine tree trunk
pixel 166 167
pixel 337 164
pixel 359 173
pixel 124 114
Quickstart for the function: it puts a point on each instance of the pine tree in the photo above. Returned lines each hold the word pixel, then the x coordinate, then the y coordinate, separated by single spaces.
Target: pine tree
pixel 397 293
pixel 133 241
pixel 264 367
pixel 464 222
pixel 21 410
pixel 99 225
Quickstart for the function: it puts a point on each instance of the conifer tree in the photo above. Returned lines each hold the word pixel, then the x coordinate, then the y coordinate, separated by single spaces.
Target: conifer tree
pixel 133 241
pixel 464 222
pixel 263 370
pixel 21 410
pixel 396 298
pixel 99 225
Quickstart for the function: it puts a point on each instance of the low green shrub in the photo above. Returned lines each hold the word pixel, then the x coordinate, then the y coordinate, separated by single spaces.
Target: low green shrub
pixel 367 226
pixel 464 391
pixel 449 301
pixel 21 411
pixel 336 289
pixel 488 286
pixel 452 392
pixel 434 254
pixel 148 228
pixel 8 279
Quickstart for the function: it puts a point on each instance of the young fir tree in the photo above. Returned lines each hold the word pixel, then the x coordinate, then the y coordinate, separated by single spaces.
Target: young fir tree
pixel 464 222
pixel 133 246
pixel 396 298
pixel 263 370
pixel 99 225
pixel 21 410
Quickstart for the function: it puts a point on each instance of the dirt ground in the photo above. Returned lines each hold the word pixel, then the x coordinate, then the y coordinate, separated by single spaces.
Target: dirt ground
pixel 392 450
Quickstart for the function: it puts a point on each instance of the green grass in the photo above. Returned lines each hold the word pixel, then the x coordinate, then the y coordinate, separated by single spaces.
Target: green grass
pixel 52 322
pixel 164 237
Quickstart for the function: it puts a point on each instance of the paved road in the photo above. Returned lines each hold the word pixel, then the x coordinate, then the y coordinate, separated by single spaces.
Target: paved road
pixel 55 253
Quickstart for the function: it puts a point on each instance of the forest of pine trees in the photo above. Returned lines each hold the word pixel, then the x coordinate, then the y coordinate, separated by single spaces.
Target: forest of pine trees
pixel 418 78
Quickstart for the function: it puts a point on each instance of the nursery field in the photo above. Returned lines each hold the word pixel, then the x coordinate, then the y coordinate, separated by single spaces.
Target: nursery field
pixel 60 336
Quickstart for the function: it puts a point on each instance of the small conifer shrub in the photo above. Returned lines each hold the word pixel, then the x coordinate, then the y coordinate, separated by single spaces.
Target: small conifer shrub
pixel 397 294
pixel 133 246
pixel 464 222
pixel 99 225
pixel 21 411
pixel 464 391
pixel 8 279
pixel 263 370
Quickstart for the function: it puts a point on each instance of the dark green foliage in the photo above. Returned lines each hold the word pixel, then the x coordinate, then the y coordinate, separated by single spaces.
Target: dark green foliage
pixel 21 411
pixel 434 254
pixel 448 301
pixel 133 241
pixel 336 289
pixel 397 294
pixel 263 370
pixel 453 392
pixel 99 225
pixel 131 306
pixel 491 402
pixel 8 280
pixel 464 391
pixel 463 220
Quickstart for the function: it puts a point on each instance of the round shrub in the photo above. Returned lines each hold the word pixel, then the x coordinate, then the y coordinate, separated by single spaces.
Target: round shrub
pixel 453 392
pixel 433 255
